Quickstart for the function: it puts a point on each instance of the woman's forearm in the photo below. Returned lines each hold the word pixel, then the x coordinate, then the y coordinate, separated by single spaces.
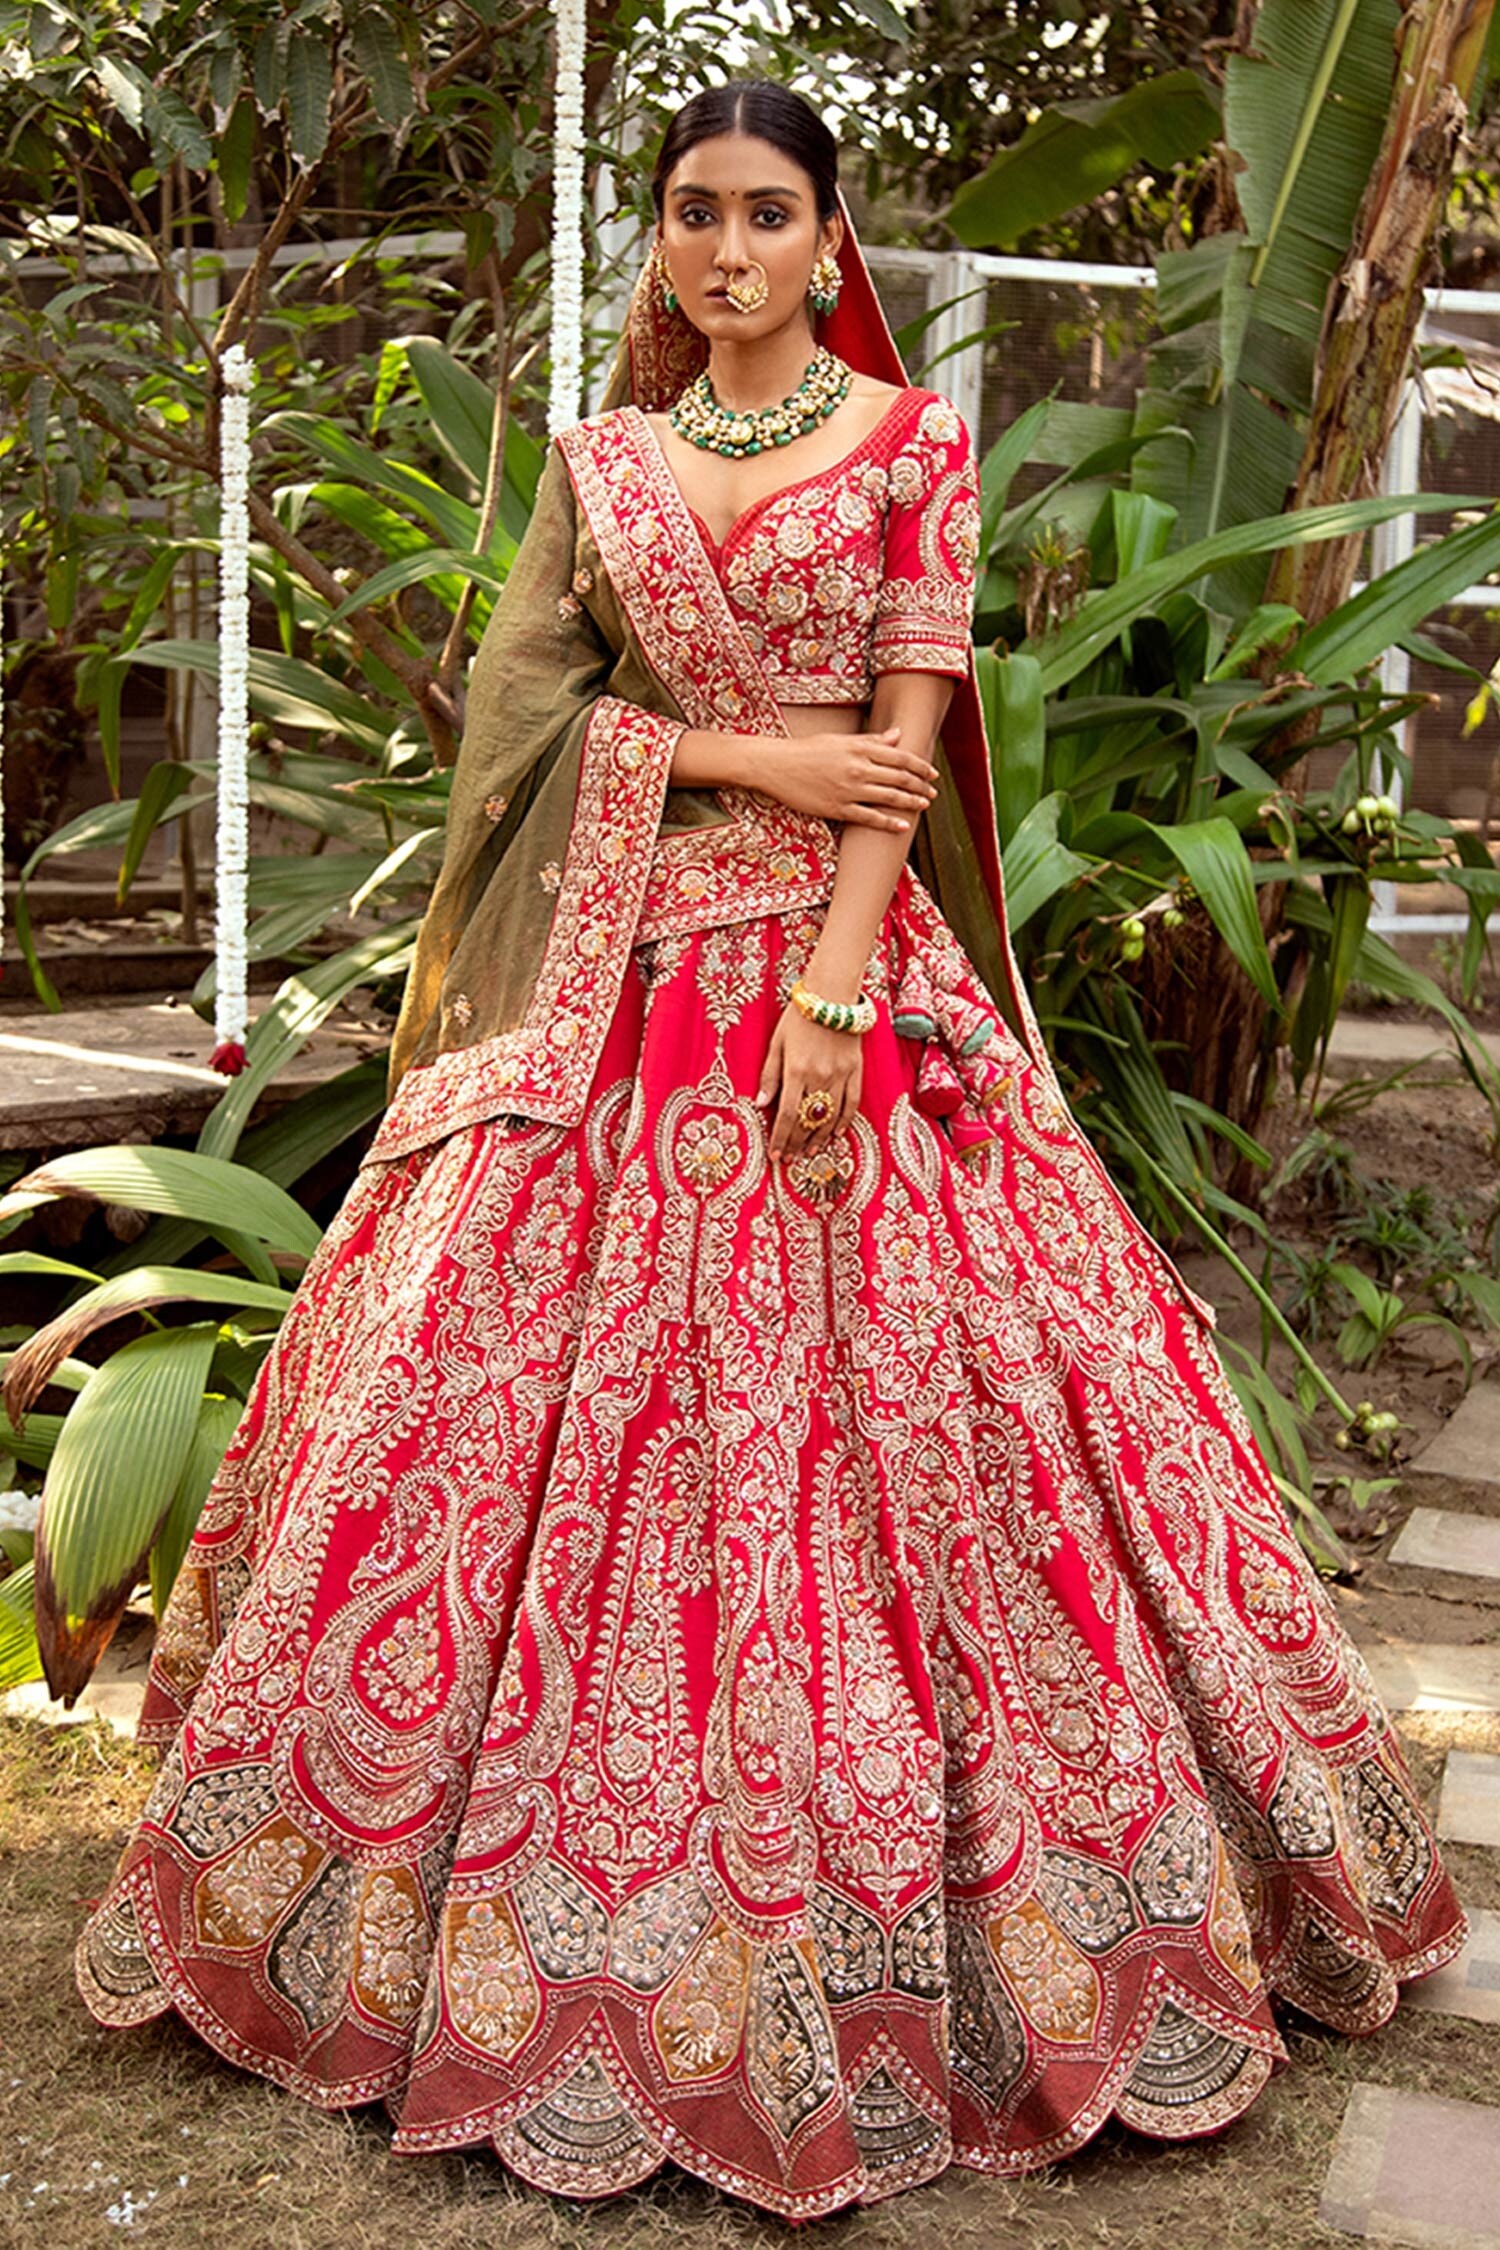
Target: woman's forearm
pixel 869 869
pixel 704 759
pixel 870 859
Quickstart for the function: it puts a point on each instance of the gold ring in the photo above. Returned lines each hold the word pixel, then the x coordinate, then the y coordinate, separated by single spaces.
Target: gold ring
pixel 749 296
pixel 816 1107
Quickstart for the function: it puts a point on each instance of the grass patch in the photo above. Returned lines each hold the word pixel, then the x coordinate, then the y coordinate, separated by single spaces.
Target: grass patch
pixel 148 2134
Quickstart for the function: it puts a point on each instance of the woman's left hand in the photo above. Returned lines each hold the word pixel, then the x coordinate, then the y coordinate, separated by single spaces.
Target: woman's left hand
pixel 803 1056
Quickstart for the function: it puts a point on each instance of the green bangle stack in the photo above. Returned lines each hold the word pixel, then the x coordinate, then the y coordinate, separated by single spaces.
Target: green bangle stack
pixel 836 1015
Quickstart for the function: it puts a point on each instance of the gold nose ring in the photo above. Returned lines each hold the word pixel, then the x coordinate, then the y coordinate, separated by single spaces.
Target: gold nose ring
pixel 749 296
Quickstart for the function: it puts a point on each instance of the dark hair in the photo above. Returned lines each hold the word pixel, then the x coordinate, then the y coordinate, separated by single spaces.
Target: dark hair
pixel 772 113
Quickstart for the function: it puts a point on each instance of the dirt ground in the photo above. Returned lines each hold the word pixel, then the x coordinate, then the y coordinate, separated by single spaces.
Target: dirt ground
pixel 148 2134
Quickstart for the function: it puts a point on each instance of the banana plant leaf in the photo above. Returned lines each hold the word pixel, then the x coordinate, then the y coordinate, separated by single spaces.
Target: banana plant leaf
pixel 1364 627
pixel 1036 865
pixel 117 1465
pixel 1077 150
pixel 178 1181
pixel 35 1442
pixel 1212 854
pixel 20 1658
pixel 462 408
pixel 133 1291
pixel 284 1148
pixel 1015 714
pixel 453 520
pixel 414 570
pixel 1104 614
pixel 218 1419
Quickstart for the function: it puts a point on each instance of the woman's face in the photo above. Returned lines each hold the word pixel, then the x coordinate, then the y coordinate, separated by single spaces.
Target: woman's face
pixel 731 204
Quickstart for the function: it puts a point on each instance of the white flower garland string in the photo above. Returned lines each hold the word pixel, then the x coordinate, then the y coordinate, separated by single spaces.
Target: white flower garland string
pixel 231 851
pixel 565 400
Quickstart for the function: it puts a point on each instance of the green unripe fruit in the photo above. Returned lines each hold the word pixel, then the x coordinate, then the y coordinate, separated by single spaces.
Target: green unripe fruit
pixel 1341 1441
pixel 1367 807
pixel 1172 918
pixel 1350 822
pixel 1388 808
pixel 1133 927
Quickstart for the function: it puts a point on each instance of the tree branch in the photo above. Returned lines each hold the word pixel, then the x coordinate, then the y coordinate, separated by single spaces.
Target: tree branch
pixel 433 702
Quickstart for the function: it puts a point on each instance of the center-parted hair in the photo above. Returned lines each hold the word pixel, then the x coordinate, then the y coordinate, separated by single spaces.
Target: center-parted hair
pixel 772 113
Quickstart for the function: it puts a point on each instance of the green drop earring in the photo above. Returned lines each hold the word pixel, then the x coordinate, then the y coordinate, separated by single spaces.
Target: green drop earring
pixel 823 289
pixel 664 279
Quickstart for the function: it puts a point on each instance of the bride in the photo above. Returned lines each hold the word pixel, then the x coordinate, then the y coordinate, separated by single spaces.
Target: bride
pixel 742 1623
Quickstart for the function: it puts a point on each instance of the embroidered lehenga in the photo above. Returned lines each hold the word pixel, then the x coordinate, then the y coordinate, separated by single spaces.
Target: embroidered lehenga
pixel 795 1669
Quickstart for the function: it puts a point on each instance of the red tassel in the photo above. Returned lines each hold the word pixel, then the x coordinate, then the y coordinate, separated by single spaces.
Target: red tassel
pixel 940 1091
pixel 228 1057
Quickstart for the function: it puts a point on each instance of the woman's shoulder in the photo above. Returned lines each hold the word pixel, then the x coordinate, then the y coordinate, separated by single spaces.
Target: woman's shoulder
pixel 927 444
pixel 934 415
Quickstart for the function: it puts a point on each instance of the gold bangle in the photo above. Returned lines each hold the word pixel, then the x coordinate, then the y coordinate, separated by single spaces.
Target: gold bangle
pixel 835 1015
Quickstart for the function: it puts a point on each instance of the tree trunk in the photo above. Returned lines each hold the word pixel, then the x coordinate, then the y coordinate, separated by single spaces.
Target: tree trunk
pixel 1374 309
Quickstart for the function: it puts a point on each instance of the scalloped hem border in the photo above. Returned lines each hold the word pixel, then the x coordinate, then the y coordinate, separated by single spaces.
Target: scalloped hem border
pixel 664 2144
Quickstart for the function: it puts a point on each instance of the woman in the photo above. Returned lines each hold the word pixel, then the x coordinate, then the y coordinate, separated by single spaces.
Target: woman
pixel 742 1622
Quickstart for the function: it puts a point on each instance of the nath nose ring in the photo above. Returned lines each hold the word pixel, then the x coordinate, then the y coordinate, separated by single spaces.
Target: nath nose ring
pixel 749 296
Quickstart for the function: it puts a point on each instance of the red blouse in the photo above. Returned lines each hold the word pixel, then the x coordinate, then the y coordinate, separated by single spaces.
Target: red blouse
pixel 864 567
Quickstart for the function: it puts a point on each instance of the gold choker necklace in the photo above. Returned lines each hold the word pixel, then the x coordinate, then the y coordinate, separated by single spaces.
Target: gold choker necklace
pixel 703 421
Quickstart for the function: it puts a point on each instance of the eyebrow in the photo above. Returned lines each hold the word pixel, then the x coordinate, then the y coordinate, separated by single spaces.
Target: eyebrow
pixel 751 194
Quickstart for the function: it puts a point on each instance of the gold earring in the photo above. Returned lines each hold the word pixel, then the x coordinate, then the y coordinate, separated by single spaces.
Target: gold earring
pixel 823 288
pixel 664 279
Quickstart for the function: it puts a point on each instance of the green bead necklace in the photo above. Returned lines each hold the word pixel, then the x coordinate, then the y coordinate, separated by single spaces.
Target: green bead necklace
pixel 703 421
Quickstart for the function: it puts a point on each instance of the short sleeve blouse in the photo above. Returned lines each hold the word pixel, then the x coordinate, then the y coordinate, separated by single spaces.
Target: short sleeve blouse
pixel 865 567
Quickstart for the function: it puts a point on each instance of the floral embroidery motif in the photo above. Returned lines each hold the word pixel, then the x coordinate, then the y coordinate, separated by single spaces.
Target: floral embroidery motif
pixel 240 1902
pixel 698 2022
pixel 391 1949
pixel 710 1150
pixel 492 1994
pixel 495 807
pixel 401 1672
pixel 896 544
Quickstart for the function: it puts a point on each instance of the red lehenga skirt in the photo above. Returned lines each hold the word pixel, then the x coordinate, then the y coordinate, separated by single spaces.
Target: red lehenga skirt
pixel 797 1669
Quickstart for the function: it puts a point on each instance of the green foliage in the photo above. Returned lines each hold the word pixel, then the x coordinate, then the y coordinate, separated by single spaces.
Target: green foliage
pixel 1072 153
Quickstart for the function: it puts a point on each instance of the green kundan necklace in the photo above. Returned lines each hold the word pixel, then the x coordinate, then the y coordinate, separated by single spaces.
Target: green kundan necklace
pixel 703 421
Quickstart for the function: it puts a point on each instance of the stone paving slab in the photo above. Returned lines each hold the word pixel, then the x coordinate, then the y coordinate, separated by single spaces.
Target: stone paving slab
pixel 1446 1539
pixel 1468 1444
pixel 1469 1986
pixel 1435 1675
pixel 139 1069
pixel 1469 1808
pixel 1370 1043
pixel 1413 2168
pixel 114 1694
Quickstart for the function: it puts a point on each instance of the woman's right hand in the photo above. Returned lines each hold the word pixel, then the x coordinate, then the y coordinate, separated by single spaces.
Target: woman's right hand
pixel 867 778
